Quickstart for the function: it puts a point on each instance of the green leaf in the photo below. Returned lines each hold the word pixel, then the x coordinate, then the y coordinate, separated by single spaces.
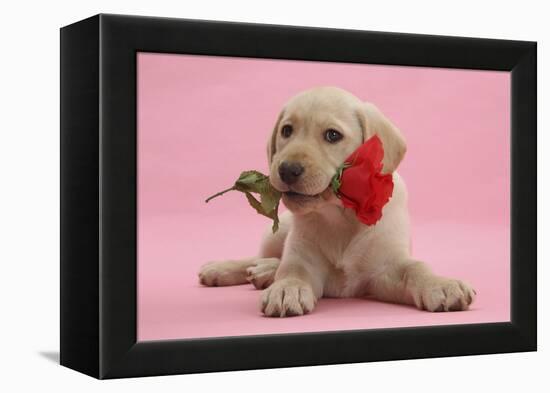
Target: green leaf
pixel 257 205
pixel 256 182
pixel 336 181
pixel 270 200
pixel 249 178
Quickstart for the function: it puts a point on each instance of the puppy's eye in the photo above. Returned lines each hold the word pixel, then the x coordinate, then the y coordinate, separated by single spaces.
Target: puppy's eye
pixel 286 131
pixel 332 136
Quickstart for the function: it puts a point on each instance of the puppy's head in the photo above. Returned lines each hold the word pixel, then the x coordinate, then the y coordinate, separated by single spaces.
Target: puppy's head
pixel 315 132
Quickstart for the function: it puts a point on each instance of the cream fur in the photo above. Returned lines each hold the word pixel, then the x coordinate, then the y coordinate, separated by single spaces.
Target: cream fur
pixel 321 249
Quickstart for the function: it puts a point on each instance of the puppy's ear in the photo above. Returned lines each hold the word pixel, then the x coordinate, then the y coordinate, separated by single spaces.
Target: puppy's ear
pixel 375 123
pixel 271 143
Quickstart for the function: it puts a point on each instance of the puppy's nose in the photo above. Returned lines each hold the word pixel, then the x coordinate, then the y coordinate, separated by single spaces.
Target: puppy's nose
pixel 290 171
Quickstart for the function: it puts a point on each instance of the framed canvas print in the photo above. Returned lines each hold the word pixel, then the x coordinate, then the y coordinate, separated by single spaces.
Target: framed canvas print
pixel 239 196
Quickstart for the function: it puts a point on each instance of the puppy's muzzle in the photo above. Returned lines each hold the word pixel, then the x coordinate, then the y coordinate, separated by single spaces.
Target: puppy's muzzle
pixel 290 172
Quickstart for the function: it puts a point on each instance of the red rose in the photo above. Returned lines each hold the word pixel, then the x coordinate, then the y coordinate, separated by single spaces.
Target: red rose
pixel 361 186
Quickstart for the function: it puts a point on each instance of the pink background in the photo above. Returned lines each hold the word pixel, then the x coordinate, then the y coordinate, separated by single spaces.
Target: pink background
pixel 202 120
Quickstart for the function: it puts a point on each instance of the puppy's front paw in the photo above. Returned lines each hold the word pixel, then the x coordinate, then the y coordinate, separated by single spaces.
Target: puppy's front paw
pixel 288 297
pixel 444 294
pixel 223 273
pixel 262 274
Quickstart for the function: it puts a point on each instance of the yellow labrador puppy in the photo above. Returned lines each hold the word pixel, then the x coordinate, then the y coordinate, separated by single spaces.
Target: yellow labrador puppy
pixel 321 249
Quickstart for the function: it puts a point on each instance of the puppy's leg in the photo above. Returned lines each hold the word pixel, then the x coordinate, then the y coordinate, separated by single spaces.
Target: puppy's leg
pixel 223 273
pixel 412 282
pixel 259 270
pixel 295 290
pixel 262 273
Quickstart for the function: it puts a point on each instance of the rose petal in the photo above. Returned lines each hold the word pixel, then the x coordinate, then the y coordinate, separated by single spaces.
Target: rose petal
pixel 363 188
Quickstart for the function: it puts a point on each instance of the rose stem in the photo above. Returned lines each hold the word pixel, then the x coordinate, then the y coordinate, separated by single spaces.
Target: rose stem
pixel 218 194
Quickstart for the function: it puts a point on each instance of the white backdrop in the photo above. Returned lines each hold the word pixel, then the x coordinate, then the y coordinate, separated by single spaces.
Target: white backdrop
pixel 29 196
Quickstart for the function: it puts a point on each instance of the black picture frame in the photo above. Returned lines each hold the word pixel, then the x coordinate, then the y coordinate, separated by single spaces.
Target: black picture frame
pixel 98 196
